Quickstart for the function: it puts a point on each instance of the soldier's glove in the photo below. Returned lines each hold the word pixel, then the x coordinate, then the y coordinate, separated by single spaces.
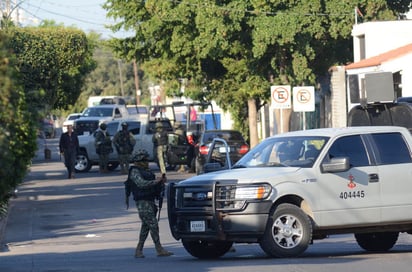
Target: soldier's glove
pixel 127 203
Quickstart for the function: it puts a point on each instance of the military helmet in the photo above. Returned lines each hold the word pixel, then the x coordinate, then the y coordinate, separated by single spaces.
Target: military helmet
pixel 140 155
pixel 103 126
pixel 159 125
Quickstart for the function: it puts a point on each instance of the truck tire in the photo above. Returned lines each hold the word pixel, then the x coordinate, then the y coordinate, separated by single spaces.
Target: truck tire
pixel 199 167
pixel 83 163
pixel 111 166
pixel 207 249
pixel 288 232
pixel 379 241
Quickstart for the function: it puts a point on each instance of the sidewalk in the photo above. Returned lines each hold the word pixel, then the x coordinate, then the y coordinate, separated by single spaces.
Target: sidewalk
pixel 38 159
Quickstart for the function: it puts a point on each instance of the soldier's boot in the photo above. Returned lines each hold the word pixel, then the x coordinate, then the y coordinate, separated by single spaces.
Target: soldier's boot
pixel 139 251
pixel 181 169
pixel 161 252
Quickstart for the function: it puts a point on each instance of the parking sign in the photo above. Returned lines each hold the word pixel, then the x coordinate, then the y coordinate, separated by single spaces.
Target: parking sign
pixel 304 98
pixel 281 97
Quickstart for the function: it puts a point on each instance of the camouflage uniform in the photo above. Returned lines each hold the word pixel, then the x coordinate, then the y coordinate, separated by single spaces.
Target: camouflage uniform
pixel 181 133
pixel 160 142
pixel 103 147
pixel 145 188
pixel 124 143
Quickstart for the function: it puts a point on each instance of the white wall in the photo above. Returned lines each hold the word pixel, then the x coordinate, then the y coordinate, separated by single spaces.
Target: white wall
pixel 380 37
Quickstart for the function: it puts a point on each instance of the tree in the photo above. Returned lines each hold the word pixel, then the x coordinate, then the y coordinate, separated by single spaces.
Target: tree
pixel 105 79
pixel 53 63
pixel 17 130
pixel 237 49
pixel 40 69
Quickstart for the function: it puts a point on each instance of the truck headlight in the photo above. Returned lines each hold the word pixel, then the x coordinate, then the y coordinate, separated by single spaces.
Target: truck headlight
pixel 253 192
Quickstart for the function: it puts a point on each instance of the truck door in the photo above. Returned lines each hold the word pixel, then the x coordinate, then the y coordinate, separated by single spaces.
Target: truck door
pixel 351 196
pixel 395 175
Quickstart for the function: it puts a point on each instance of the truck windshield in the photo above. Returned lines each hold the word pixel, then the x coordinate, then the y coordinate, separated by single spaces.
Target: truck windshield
pixel 98 112
pixel 284 151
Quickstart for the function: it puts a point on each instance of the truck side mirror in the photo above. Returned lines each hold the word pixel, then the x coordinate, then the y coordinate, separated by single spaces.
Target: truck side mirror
pixel 335 165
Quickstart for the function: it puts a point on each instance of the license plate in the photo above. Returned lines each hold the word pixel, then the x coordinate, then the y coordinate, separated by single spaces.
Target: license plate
pixel 223 149
pixel 197 226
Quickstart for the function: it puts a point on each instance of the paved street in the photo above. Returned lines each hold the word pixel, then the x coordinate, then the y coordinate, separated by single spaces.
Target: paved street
pixel 68 225
pixel 57 224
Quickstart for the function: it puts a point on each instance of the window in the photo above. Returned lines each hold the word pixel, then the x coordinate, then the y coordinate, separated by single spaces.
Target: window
pixel 134 127
pixel 392 148
pixel 112 128
pixel 351 147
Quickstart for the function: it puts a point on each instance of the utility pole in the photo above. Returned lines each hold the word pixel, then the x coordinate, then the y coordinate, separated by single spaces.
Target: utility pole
pixel 119 63
pixel 7 8
pixel 136 82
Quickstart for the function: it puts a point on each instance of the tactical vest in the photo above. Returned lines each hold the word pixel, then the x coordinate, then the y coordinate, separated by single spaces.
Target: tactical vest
pixel 161 138
pixel 149 193
pixel 125 146
pixel 105 146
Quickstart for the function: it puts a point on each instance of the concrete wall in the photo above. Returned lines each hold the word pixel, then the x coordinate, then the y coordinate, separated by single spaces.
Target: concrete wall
pixel 374 38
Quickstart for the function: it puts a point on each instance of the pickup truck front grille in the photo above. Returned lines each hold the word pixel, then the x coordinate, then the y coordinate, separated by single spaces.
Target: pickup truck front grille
pixel 192 197
pixel 89 126
pixel 219 196
pixel 225 196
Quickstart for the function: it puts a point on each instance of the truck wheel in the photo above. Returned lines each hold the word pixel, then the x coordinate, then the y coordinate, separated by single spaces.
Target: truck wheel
pixel 192 166
pixel 82 163
pixel 379 241
pixel 199 167
pixel 111 166
pixel 288 232
pixel 207 249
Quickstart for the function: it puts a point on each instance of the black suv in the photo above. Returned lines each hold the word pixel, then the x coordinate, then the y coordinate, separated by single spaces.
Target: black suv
pixel 237 147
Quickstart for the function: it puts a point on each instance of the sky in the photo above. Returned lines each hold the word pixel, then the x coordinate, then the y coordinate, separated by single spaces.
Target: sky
pixel 87 15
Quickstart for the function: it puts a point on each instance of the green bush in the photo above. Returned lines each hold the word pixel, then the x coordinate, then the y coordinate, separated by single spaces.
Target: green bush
pixel 18 128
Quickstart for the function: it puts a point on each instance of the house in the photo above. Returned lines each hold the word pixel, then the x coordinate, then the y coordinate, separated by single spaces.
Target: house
pixel 381 70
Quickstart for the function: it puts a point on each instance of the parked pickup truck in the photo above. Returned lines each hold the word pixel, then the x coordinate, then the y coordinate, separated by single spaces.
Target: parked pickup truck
pixel 92 117
pixel 297 187
pixel 142 130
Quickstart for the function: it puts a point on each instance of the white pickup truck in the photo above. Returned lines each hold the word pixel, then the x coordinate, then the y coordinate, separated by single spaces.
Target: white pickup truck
pixel 300 186
pixel 142 131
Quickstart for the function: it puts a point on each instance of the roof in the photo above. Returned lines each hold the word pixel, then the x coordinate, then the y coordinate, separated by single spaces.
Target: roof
pixel 332 132
pixel 379 59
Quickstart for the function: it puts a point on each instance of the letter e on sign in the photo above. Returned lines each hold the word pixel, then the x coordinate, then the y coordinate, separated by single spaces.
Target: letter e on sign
pixel 304 98
pixel 281 98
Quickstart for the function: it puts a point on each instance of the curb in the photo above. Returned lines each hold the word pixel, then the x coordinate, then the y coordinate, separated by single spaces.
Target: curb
pixel 3 224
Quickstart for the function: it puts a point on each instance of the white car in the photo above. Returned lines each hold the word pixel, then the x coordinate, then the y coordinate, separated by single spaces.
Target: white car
pixel 70 120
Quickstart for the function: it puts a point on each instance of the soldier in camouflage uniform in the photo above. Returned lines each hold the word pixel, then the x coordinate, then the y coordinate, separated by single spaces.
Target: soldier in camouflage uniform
pixel 160 140
pixel 142 183
pixel 124 143
pixel 103 147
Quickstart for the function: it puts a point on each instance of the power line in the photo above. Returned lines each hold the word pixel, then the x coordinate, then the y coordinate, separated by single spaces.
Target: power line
pixel 88 16
pixel 29 6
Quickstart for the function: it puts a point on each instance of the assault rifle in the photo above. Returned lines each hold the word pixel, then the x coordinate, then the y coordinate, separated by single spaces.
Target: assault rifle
pixel 161 195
